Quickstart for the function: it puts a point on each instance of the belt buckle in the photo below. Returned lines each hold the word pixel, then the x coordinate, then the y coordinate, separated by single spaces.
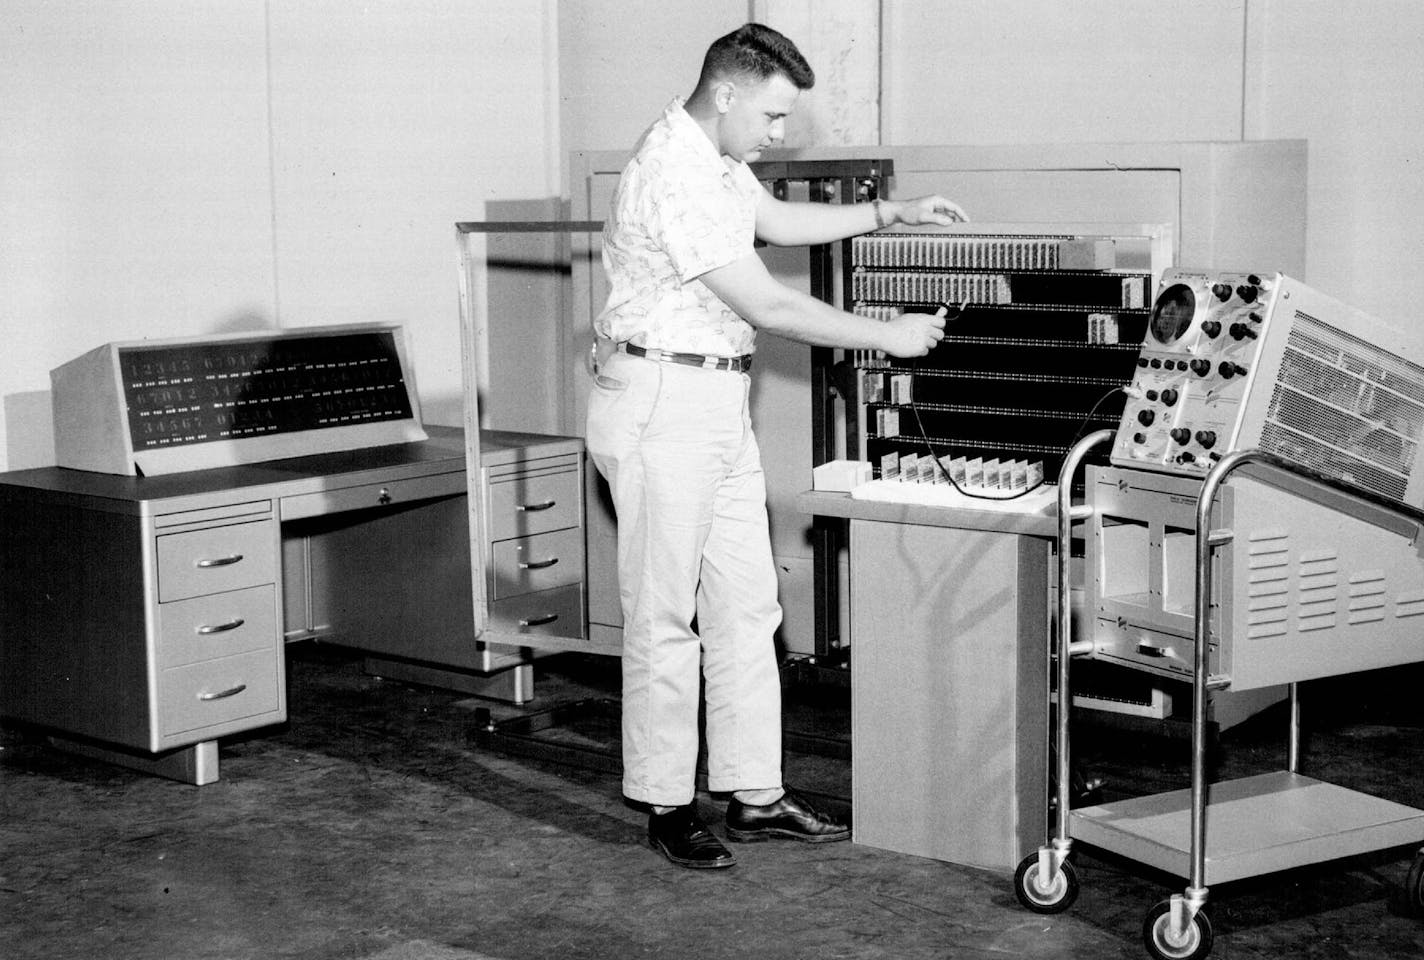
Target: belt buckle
pixel 712 363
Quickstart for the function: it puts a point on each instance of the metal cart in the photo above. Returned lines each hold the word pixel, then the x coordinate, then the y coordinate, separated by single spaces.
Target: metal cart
pixel 1228 830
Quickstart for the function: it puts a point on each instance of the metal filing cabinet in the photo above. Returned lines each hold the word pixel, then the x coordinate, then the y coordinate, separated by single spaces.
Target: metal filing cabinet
pixel 150 625
pixel 534 567
pixel 217 659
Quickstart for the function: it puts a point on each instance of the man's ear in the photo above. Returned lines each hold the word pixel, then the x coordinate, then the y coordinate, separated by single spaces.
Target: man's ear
pixel 723 95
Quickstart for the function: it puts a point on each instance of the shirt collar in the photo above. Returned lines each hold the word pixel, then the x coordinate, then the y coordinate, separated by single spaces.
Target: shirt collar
pixel 685 128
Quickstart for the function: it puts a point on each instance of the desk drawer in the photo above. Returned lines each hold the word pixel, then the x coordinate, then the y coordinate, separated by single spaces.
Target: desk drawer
pixel 220 625
pixel 539 562
pixel 388 493
pixel 551 613
pixel 535 503
pixel 218 691
pixel 216 559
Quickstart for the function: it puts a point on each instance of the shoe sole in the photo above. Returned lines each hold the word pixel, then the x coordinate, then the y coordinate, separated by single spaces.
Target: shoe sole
pixel 772 833
pixel 693 864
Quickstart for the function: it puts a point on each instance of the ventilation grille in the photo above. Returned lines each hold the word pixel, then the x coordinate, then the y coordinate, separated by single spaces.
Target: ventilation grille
pixel 1346 408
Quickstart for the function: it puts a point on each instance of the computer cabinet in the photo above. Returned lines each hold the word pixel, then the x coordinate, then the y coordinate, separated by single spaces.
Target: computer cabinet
pixel 1222 203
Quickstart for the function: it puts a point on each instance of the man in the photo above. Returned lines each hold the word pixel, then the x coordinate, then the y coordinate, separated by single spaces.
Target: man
pixel 668 427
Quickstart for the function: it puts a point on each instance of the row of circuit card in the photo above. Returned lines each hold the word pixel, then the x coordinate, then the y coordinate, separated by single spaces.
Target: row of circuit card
pixel 956 253
pixel 968 473
pixel 1102 327
pixel 919 286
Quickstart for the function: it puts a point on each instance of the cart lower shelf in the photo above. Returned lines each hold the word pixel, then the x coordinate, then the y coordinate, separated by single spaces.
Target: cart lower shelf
pixel 1254 825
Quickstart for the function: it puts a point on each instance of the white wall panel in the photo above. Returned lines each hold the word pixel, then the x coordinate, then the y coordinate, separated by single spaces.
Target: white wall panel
pixel 1042 71
pixel 1350 79
pixel 620 63
pixel 392 121
pixel 134 184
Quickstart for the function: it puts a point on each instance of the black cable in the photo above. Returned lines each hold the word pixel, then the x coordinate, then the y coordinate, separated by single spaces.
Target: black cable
pixel 951 312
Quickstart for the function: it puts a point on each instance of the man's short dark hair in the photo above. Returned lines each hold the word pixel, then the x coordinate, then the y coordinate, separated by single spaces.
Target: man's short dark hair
pixel 759 52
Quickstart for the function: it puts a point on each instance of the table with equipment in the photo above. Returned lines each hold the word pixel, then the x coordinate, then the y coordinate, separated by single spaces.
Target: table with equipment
pixel 143 617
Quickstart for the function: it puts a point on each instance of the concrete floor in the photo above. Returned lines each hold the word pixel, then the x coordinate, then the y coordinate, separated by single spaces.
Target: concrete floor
pixel 370 827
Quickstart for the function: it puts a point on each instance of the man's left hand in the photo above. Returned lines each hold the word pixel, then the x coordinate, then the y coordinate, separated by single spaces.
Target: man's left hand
pixel 932 209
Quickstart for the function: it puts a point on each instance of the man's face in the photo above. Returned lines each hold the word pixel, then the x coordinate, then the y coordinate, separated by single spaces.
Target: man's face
pixel 755 117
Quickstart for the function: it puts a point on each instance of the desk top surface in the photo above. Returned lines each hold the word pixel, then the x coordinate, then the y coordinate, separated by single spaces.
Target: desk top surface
pixel 442 452
pixel 843 505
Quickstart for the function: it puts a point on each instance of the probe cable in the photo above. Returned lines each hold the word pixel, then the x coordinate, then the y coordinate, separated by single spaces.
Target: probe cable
pixel 951 313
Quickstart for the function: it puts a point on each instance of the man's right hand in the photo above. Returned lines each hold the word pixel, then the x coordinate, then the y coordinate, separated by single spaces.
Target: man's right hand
pixel 912 334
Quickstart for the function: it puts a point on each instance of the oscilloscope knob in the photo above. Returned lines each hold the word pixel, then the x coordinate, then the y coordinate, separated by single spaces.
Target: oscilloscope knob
pixel 1180 435
pixel 1145 417
pixel 1222 291
pixel 1229 369
pixel 1238 330
pixel 1212 328
pixel 1186 456
pixel 1169 396
pixel 1207 438
pixel 1247 293
pixel 1201 367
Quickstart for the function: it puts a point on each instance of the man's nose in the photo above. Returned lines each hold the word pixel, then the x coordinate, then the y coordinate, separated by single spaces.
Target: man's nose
pixel 778 130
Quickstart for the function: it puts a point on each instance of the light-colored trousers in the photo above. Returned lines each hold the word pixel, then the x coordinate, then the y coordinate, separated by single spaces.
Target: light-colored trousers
pixel 675 444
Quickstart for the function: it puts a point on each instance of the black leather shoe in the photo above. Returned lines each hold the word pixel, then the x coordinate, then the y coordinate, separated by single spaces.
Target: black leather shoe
pixel 684 839
pixel 791 816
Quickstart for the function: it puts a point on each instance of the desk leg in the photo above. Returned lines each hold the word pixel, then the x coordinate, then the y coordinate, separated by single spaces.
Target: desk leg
pixel 949 691
pixel 197 764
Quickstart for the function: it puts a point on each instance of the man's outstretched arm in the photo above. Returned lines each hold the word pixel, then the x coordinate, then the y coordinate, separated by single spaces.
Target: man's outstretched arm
pixel 786 224
pixel 769 305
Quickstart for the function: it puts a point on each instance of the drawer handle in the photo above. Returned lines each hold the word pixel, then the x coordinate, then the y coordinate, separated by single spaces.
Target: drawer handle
pixel 384 497
pixel 1148 650
pixel 537 564
pixel 222 694
pixel 211 628
pixel 538 621
pixel 220 561
pixel 532 507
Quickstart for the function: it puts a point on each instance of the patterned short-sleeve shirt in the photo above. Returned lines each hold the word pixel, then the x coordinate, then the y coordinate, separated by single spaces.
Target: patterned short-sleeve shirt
pixel 680 210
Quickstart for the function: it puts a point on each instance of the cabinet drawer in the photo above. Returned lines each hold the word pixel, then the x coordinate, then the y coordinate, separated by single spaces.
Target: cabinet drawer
pixel 535 503
pixel 219 625
pixel 216 559
pixel 218 691
pixel 541 561
pixel 551 613
pixel 369 495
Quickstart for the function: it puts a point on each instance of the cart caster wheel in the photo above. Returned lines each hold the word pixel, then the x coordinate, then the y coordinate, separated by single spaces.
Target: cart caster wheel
pixel 1414 888
pixel 1058 895
pixel 1194 944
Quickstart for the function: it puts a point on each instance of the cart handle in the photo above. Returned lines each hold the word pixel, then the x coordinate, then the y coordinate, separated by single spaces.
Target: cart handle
pixel 1066 515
